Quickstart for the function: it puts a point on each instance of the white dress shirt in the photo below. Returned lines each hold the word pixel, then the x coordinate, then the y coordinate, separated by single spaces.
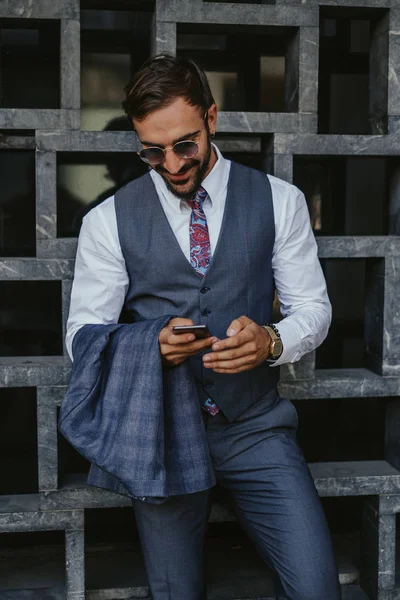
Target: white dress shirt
pixel 101 278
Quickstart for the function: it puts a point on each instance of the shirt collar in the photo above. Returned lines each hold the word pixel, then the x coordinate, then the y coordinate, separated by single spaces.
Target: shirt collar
pixel 212 183
pixel 216 180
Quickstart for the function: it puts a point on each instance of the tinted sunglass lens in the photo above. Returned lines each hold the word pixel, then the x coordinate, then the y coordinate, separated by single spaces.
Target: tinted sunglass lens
pixel 186 149
pixel 152 155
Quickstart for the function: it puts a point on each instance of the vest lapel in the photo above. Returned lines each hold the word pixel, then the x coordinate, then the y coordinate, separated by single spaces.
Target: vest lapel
pixel 228 220
pixel 162 221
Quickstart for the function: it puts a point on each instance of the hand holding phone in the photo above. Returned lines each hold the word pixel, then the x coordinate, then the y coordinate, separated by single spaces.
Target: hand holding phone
pixel 181 339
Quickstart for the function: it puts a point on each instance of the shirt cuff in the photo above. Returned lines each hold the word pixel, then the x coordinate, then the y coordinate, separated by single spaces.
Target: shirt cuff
pixel 291 340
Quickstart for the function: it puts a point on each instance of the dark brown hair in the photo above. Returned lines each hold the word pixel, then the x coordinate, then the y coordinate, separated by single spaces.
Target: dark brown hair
pixel 162 79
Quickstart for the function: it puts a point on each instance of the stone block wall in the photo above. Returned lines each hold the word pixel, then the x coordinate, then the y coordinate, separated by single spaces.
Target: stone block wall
pixel 310 92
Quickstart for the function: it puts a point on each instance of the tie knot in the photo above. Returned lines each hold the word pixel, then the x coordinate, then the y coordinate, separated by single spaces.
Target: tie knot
pixel 199 198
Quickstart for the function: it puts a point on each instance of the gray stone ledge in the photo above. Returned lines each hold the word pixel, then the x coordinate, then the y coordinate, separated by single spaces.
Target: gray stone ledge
pixel 36 269
pixel 236 14
pixel 358 246
pixel 394 52
pixel 341 383
pixel 302 369
pixel 131 593
pixel 350 3
pixel 39 118
pixel 355 478
pixel 261 122
pixel 326 383
pixel 393 124
pixel 42 521
pixel 308 71
pixel 70 76
pixel 87 141
pixel 36 594
pixel 163 37
pixel 360 478
pixel 31 371
pixel 56 248
pixel 19 503
pixel 46 195
pixel 76 494
pixel 51 395
pixel 308 123
pixel 39 9
pixel 239 143
pixel 389 504
pixel 333 145
pixel 16 142
pixel 283 166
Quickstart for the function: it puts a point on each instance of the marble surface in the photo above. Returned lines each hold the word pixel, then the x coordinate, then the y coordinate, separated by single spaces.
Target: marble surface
pixel 70 64
pixel 334 144
pixel 60 504
pixel 39 118
pixel 87 141
pixel 17 269
pixel 242 14
pixel 43 9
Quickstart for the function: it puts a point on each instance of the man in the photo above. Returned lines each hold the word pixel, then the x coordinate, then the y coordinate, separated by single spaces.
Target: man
pixel 210 240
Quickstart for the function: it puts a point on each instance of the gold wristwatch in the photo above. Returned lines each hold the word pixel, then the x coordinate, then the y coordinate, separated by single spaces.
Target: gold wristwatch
pixel 276 346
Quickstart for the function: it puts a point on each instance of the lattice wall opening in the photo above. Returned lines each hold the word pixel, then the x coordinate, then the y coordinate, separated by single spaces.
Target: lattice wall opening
pixel 71 466
pixel 17 204
pixel 34 562
pixel 31 318
pixel 18 441
pixel 114 43
pixel 346 195
pixel 85 179
pixel 255 80
pixel 353 70
pixel 331 429
pixel 30 63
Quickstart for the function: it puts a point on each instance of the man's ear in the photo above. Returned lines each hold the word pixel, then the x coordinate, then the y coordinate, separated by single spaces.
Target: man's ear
pixel 212 118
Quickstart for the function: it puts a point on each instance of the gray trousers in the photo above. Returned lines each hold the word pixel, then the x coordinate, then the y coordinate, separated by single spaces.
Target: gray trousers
pixel 274 497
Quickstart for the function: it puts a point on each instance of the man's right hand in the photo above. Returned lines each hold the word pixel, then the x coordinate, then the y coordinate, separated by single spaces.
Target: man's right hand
pixel 175 349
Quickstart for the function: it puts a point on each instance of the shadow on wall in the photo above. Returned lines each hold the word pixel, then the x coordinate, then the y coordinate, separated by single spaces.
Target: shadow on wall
pixel 117 169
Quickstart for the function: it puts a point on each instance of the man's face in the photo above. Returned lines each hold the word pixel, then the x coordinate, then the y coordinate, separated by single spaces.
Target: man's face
pixel 175 123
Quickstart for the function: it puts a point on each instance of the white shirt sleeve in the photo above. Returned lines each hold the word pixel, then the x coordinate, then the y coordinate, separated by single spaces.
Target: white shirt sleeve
pixel 299 279
pixel 101 279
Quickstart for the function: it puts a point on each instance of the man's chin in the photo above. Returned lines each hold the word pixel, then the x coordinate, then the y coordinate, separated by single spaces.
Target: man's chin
pixel 185 188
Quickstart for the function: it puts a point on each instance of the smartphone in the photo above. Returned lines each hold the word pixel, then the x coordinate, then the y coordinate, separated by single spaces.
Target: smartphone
pixel 200 331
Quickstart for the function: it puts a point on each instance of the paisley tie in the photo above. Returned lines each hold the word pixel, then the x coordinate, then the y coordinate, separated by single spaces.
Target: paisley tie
pixel 200 255
pixel 200 250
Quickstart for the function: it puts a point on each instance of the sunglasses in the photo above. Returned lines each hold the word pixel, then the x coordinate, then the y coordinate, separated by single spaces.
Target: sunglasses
pixel 155 155
pixel 185 149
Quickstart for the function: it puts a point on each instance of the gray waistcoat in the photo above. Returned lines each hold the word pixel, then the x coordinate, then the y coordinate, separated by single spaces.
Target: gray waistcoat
pixel 239 280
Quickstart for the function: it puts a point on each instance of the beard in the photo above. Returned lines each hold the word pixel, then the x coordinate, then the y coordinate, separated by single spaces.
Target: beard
pixel 198 168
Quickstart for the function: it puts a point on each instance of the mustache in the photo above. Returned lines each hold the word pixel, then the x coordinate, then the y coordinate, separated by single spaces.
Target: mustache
pixel 184 169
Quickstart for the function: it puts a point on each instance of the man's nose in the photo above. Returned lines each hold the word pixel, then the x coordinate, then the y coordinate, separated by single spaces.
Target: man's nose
pixel 172 163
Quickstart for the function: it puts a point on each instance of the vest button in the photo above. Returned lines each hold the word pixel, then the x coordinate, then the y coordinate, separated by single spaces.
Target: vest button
pixel 204 290
pixel 205 312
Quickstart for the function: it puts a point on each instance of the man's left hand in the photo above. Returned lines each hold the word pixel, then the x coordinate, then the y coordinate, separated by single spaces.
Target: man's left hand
pixel 246 346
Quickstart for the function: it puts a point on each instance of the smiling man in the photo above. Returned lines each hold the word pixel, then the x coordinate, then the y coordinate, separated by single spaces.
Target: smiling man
pixel 183 180
pixel 210 240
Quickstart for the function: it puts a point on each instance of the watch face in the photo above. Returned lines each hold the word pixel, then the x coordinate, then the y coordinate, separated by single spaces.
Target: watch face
pixel 276 349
